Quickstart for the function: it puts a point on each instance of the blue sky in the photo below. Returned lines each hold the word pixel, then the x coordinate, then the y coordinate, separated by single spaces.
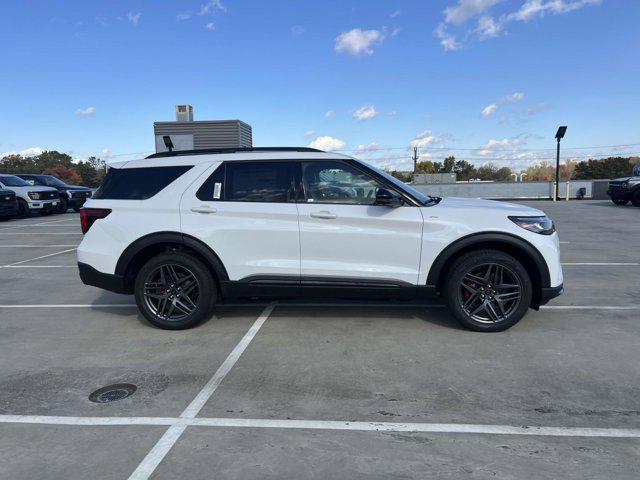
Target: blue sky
pixel 485 80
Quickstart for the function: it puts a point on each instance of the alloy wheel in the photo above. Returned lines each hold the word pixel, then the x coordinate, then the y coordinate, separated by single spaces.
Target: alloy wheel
pixel 490 293
pixel 171 292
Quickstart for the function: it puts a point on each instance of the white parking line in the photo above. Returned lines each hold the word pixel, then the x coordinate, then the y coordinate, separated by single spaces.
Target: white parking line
pixel 39 266
pixel 97 305
pixel 38 258
pixel 41 233
pixel 590 307
pixel 620 264
pixel 22 225
pixel 171 436
pixel 180 424
pixel 36 246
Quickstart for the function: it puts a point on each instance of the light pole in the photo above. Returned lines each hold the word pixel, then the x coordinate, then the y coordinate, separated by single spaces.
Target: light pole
pixel 559 134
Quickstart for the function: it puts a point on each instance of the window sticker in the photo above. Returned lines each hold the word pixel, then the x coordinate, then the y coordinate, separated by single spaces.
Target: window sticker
pixel 217 188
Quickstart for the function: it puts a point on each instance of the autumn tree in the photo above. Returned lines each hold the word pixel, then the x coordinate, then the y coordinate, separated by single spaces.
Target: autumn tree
pixel 66 174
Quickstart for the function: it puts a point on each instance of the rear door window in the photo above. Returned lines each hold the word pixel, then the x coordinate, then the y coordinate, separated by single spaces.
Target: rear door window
pixel 137 183
pixel 267 182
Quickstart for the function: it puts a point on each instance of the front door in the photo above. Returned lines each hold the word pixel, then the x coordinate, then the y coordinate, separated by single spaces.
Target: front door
pixel 345 236
pixel 246 212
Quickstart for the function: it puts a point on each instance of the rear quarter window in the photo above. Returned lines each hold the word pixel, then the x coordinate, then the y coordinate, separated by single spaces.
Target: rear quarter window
pixel 137 183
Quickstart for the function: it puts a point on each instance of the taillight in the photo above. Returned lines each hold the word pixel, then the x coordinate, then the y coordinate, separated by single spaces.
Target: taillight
pixel 90 215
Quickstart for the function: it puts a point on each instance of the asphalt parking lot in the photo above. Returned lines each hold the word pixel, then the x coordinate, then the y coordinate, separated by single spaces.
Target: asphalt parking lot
pixel 323 391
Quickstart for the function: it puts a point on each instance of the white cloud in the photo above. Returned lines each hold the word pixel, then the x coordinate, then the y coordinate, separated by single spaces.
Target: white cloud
pixel 309 133
pixel 105 153
pixel 210 26
pixel 358 42
pixel 395 14
pixel 488 27
pixel 491 109
pixel 184 15
pixel 395 32
pixel 85 112
pixel 488 110
pixel 327 143
pixel 467 9
pixel 392 113
pixel 372 147
pixel 27 152
pixel 134 17
pixel 366 112
pixel 537 8
pixel 329 113
pixel 425 139
pixel 447 40
pixel 498 145
pixel 297 30
pixel 211 7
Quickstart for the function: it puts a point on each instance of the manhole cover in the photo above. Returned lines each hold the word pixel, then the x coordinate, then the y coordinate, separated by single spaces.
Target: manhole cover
pixel 112 393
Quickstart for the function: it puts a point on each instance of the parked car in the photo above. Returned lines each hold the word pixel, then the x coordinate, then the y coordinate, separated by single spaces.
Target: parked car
pixel 623 190
pixel 8 204
pixel 183 231
pixel 30 198
pixel 71 196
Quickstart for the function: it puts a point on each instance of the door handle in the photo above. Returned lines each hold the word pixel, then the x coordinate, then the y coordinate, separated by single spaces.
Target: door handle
pixel 203 209
pixel 324 214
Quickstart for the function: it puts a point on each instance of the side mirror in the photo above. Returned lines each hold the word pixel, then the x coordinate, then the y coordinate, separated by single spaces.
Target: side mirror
pixel 387 198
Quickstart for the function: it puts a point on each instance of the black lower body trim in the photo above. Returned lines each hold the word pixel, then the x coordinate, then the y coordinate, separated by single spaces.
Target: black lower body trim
pixel 548 293
pixel 106 281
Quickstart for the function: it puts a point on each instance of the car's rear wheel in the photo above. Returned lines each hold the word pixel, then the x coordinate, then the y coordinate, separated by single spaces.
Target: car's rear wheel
pixel 620 200
pixel 488 290
pixel 175 291
pixel 635 199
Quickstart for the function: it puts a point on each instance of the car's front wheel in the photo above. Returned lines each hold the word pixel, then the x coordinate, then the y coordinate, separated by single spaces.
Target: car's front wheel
pixel 488 290
pixel 635 199
pixel 175 291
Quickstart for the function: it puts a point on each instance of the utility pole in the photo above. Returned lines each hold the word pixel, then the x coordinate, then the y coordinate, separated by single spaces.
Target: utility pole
pixel 415 159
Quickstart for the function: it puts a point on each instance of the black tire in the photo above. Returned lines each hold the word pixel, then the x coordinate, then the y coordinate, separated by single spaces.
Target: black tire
pixel 635 198
pixel 465 275
pixel 620 200
pixel 161 304
pixel 23 209
pixel 64 205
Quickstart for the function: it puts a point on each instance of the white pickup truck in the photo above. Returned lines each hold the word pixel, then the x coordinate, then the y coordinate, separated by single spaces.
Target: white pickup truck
pixel 31 198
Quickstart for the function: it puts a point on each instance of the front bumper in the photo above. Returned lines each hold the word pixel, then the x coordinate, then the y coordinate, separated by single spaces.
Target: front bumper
pixel 44 206
pixel 549 293
pixel 106 281
pixel 619 193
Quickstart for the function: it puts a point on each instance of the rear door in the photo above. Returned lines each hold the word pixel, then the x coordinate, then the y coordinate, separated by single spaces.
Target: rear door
pixel 246 212
pixel 344 235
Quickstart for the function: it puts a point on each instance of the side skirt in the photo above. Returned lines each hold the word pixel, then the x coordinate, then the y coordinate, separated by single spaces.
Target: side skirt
pixel 321 287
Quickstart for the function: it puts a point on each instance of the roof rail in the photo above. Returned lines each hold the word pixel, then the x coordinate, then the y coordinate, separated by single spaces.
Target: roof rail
pixel 210 151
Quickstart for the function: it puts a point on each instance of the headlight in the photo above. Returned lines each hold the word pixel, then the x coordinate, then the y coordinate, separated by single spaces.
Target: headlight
pixel 542 225
pixel 34 195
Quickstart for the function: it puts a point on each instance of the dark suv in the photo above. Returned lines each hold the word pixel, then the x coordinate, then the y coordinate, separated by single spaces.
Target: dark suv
pixel 621 190
pixel 8 204
pixel 71 196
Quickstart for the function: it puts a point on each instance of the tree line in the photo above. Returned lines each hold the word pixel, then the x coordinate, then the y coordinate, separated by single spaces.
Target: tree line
pixel 87 172
pixel 603 168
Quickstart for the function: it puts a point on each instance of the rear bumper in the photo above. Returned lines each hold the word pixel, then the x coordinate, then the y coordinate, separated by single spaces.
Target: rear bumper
pixel 106 281
pixel 549 293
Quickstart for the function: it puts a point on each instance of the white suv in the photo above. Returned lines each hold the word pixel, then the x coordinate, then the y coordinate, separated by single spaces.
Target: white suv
pixel 30 198
pixel 186 230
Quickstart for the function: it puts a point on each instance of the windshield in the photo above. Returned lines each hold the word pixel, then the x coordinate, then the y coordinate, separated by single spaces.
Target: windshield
pixel 54 181
pixel 421 197
pixel 13 181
